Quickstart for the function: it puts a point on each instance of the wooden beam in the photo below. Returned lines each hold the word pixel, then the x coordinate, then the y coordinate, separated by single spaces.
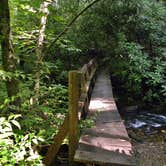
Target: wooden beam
pixel 58 139
pixel 74 94
pixel 80 85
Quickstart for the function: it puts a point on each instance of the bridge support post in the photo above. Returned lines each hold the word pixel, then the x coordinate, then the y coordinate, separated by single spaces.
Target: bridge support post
pixel 74 94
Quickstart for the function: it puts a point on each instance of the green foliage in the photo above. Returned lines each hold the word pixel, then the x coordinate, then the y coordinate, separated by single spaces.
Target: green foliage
pixel 54 96
pixel 131 34
pixel 87 123
pixel 147 75
pixel 45 117
pixel 41 117
pixel 16 148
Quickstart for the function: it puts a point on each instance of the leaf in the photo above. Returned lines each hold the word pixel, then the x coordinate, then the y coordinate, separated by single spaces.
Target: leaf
pixel 26 137
pixel 40 139
pixel 17 116
pixel 7 101
pixel 7 129
pixel 5 135
pixel 6 141
pixel 35 141
pixel 8 125
pixel 12 116
pixel 2 119
pixel 16 124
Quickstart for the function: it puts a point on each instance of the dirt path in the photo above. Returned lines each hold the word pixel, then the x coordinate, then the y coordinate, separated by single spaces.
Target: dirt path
pixel 150 150
pixel 151 154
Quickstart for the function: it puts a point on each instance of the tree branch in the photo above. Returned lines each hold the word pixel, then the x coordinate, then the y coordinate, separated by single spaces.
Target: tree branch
pixel 71 23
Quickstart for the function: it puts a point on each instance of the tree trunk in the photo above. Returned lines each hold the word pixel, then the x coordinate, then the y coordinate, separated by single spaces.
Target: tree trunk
pixel 8 58
pixel 39 46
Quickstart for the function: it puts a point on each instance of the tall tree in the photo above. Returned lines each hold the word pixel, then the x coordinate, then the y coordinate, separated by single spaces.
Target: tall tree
pixel 8 58
pixel 39 47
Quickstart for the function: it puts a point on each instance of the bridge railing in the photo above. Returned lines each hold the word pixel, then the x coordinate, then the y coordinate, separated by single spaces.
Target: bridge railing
pixel 88 77
pixel 81 84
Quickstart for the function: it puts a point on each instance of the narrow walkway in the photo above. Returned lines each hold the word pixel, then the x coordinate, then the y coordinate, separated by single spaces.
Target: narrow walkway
pixel 107 142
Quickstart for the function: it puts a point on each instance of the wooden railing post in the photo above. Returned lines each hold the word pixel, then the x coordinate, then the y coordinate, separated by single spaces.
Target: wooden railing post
pixel 74 94
pixel 80 87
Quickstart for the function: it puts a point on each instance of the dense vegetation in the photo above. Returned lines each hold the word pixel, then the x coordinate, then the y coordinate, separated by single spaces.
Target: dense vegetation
pixel 41 42
pixel 132 37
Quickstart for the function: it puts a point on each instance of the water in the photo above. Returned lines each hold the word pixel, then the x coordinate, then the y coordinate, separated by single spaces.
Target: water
pixel 148 135
pixel 147 121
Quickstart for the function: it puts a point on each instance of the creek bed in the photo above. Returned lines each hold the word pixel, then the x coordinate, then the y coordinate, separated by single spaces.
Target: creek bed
pixel 148 135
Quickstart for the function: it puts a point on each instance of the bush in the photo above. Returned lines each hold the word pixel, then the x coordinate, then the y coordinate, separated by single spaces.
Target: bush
pixel 17 148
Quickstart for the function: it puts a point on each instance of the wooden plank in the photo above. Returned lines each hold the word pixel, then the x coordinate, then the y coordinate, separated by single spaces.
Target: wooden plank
pixel 107 142
pixel 58 139
pixel 109 130
pixel 97 155
pixel 74 94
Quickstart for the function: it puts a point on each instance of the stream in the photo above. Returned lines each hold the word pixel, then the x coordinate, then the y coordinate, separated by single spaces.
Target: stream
pixel 148 136
pixel 149 123
pixel 146 129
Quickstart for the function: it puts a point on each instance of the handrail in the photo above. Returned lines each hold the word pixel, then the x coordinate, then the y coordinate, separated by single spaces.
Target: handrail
pixel 80 88
pixel 81 83
pixel 87 82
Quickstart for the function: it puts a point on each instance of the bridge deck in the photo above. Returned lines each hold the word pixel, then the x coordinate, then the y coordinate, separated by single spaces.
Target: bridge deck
pixel 107 142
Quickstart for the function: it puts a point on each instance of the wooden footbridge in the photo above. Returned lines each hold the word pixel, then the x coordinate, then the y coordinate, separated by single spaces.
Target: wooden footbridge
pixel 107 142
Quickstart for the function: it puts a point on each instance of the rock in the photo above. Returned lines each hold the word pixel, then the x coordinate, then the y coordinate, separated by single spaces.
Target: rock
pixel 131 109
pixel 163 131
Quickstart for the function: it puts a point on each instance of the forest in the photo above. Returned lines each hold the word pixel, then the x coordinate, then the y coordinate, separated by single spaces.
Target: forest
pixel 42 40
